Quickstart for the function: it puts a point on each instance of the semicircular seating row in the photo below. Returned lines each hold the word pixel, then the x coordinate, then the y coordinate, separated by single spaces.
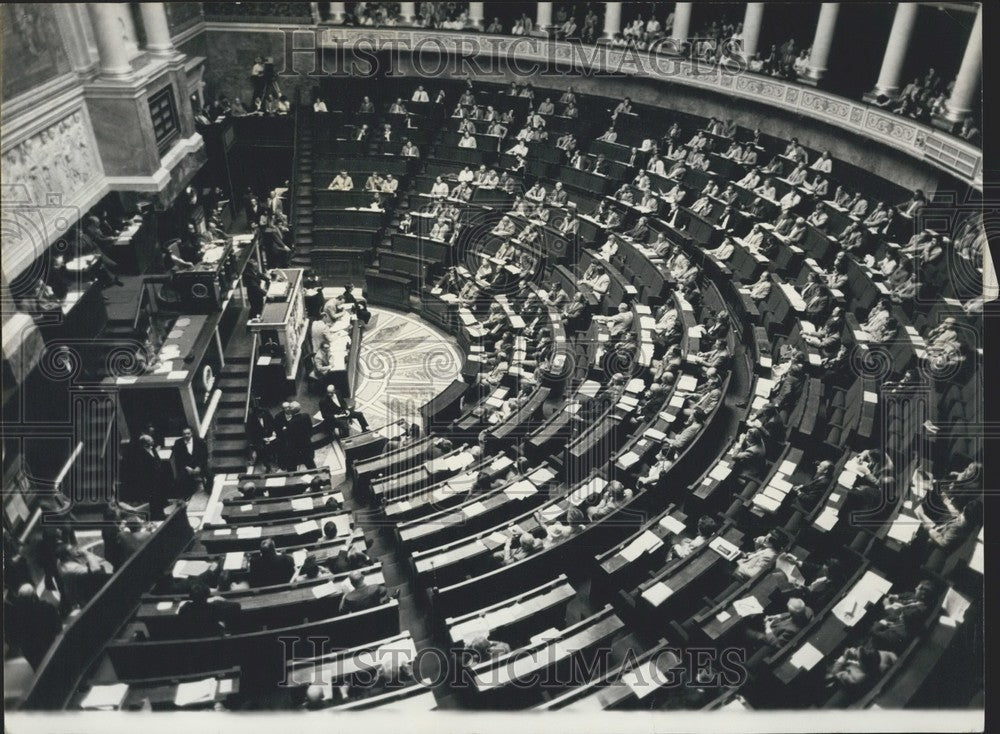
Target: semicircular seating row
pixel 562 440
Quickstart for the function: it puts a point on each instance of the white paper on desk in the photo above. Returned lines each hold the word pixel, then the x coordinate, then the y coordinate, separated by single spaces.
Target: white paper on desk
pixel 650 541
pixel 654 435
pixel 657 593
pixel 225 687
pixel 628 460
pixel 632 551
pixel 250 532
pixel 644 679
pixel 870 397
pixel 404 505
pixel 222 531
pixel 903 529
pixel 163 606
pixel 806 657
pixel 748 606
pixel 501 463
pixel 672 524
pixel 849 609
pixel 498 537
pixel 766 503
pixel 541 476
pixel 551 512
pixel 791 571
pixel 763 387
pixel 299 557
pixel 676 401
pixel 847 478
pixel 323 590
pixel 723 616
pixel 720 471
pixel 954 605
pixel 826 519
pixel 687 383
pixel 198 691
pixel 635 386
pixel 105 697
pixel 186 569
pixel 274 482
pixel 233 561
pixel 473 509
pixel 787 467
pixel 302 503
pixel 246 508
pixel 697 331
pixel 306 527
pixel 781 484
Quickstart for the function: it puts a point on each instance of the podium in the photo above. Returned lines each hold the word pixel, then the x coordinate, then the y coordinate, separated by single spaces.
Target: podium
pixel 283 321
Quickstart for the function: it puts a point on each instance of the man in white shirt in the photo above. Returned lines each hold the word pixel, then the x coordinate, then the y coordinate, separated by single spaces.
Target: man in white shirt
pixel 389 184
pixel 790 200
pixel 536 193
pixel 410 150
pixel 341 182
pixel 620 322
pixel 440 189
pixel 823 163
pixel 319 105
pixel 466 175
pixel 600 282
pixel 467 141
pixel 518 149
pixel 419 95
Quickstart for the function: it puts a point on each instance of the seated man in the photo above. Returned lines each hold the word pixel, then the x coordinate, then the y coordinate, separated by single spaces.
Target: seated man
pixel 780 628
pixel 202 616
pixel 763 557
pixel 614 497
pixel 342 182
pixel 337 417
pixel 269 568
pixel 363 596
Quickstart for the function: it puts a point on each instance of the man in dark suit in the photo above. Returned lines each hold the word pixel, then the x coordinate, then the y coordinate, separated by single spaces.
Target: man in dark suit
pixel 362 596
pixel 204 617
pixel 282 422
pixel 146 481
pixel 256 284
pixel 298 439
pixel 269 567
pixel 336 416
pixel 261 435
pixel 190 459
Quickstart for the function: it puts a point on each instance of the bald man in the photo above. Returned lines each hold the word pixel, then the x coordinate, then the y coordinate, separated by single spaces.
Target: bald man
pixel 298 439
pixel 362 596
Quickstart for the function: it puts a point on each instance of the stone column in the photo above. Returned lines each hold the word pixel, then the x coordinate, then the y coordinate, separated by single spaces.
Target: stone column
pixel 895 50
pixel 612 19
pixel 543 17
pixel 338 11
pixel 682 22
pixel 751 28
pixel 822 42
pixel 408 13
pixel 963 95
pixel 110 42
pixel 476 14
pixel 154 21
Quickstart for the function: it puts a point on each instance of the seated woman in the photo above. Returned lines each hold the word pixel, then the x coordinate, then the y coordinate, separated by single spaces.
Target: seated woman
pixel 518 547
pixel 815 582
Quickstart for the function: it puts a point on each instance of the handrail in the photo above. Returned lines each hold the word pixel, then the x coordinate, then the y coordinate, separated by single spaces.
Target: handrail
pixel 76 648
pixel 253 361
